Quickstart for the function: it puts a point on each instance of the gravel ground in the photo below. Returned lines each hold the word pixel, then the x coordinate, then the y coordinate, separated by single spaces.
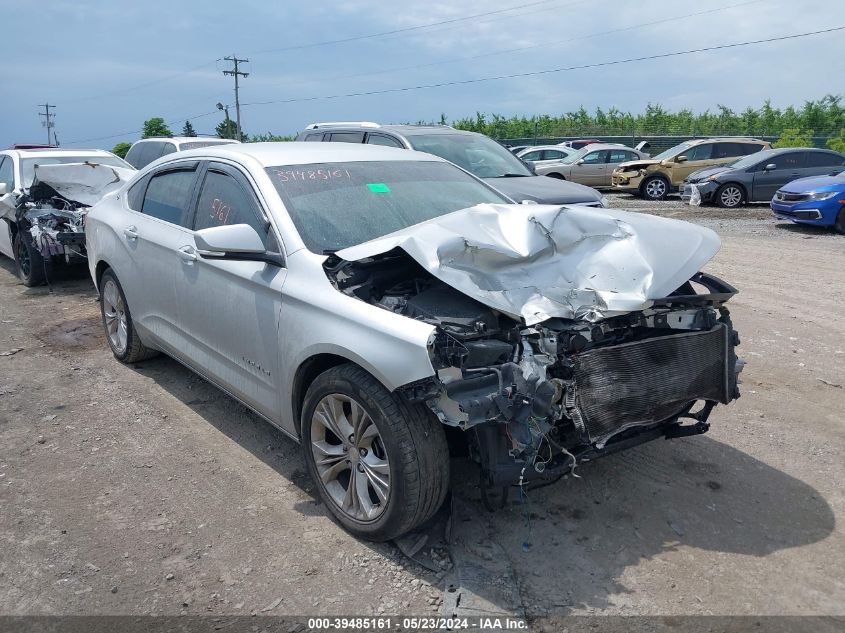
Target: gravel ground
pixel 144 490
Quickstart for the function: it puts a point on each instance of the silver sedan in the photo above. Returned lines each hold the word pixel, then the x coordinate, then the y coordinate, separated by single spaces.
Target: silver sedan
pixel 363 299
pixel 591 165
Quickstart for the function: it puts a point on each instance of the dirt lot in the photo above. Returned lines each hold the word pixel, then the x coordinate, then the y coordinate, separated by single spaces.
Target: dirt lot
pixel 146 491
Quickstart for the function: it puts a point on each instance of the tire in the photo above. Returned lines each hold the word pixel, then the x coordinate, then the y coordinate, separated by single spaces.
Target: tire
pixel 654 188
pixel 31 265
pixel 117 322
pixel 839 225
pixel 730 196
pixel 407 444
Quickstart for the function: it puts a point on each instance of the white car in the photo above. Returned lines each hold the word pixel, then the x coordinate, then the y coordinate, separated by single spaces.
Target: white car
pixel 21 222
pixel 145 151
pixel 361 298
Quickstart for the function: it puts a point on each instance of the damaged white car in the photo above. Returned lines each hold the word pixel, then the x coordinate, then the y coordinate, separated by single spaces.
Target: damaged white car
pixel 44 195
pixel 366 300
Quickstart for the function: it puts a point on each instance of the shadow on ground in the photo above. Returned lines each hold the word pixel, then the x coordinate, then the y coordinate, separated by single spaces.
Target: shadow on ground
pixel 633 506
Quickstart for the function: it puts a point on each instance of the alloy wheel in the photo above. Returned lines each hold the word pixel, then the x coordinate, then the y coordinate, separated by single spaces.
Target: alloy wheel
pixel 731 196
pixel 655 188
pixel 114 313
pixel 24 260
pixel 350 457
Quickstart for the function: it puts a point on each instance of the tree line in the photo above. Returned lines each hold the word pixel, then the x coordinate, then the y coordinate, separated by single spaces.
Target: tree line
pixel 819 121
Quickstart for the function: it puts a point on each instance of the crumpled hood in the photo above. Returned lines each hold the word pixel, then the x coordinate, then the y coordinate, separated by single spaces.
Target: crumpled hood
pixel 633 165
pixel 544 190
pixel 82 183
pixel 803 185
pixel 537 262
pixel 703 174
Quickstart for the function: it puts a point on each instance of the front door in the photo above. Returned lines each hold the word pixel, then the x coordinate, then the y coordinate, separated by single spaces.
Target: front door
pixel 591 169
pixel 787 167
pixel 229 310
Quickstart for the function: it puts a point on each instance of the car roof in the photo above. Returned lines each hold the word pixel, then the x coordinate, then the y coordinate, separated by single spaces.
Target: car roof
pixel 54 151
pixel 726 139
pixel 555 147
pixel 303 153
pixel 188 139
pixel 593 146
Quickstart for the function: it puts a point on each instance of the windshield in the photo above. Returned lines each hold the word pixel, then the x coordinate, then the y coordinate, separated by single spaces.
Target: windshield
pixel 749 161
pixel 336 205
pixel 673 151
pixel 577 155
pixel 478 154
pixel 28 164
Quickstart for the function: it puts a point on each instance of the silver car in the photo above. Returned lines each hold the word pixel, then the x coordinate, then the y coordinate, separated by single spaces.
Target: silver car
pixel 365 299
pixel 591 165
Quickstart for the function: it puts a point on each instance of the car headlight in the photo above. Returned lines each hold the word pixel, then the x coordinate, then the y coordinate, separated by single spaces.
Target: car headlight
pixel 821 195
pixel 605 202
pixel 713 178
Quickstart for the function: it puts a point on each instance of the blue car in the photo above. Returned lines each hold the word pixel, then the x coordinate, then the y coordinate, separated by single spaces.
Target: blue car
pixel 818 200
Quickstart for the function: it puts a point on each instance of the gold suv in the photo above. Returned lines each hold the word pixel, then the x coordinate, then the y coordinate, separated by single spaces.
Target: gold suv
pixel 656 177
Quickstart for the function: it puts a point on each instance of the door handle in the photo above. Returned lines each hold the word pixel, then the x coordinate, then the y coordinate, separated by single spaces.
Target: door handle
pixel 188 255
pixel 131 233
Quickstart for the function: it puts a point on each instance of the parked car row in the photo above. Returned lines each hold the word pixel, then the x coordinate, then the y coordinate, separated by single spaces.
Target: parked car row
pixel 592 165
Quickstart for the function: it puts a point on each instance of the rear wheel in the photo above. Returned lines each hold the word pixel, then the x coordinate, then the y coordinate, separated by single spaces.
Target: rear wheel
pixel 30 263
pixel 730 196
pixel 655 188
pixel 117 321
pixel 381 464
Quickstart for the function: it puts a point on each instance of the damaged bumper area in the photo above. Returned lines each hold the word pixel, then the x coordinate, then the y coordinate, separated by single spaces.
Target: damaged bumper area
pixel 561 333
pixel 51 213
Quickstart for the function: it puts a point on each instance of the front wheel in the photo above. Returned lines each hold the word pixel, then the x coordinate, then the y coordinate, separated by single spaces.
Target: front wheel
pixel 31 265
pixel 556 175
pixel 381 464
pixel 655 188
pixel 729 196
pixel 117 321
pixel 839 226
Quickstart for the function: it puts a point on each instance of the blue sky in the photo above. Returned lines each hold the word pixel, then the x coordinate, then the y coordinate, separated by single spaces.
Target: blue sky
pixel 108 66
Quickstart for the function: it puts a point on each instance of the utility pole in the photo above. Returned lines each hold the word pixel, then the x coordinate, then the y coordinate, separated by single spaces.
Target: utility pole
pixel 48 119
pixel 236 73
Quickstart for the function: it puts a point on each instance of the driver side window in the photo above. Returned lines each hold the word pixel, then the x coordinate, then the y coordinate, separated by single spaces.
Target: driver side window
pixel 224 201
pixel 7 173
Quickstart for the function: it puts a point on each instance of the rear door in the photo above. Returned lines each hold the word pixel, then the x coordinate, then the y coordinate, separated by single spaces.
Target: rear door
pixel 787 167
pixel 616 156
pixel 346 137
pixel 153 235
pixel 229 310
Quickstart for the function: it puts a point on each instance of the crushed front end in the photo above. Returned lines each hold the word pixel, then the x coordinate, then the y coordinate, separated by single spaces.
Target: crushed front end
pixel 536 400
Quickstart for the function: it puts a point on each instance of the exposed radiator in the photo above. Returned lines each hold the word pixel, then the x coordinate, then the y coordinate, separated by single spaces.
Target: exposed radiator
pixel 649 381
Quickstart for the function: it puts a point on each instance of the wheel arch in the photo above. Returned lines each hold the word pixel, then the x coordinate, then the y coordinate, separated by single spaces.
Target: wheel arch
pixel 102 266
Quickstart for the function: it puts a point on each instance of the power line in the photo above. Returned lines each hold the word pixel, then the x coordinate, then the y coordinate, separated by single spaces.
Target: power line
pixel 173 121
pixel 548 71
pixel 406 29
pixel 531 47
pixel 236 73
pixel 48 120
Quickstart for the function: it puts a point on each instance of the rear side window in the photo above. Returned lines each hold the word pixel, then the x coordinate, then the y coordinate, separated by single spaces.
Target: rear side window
pixel 168 195
pixel 814 159
pixel 142 154
pixel 224 201
pixel 346 137
pixel 728 150
pixel 381 139
pixel 750 148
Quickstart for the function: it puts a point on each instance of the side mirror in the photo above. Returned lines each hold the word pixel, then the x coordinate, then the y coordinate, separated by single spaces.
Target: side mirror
pixel 580 161
pixel 528 202
pixel 4 188
pixel 234 242
pixel 681 159
pixel 770 167
pixel 530 165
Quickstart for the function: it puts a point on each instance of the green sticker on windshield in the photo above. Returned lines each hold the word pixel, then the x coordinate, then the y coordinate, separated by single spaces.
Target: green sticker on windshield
pixel 378 187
